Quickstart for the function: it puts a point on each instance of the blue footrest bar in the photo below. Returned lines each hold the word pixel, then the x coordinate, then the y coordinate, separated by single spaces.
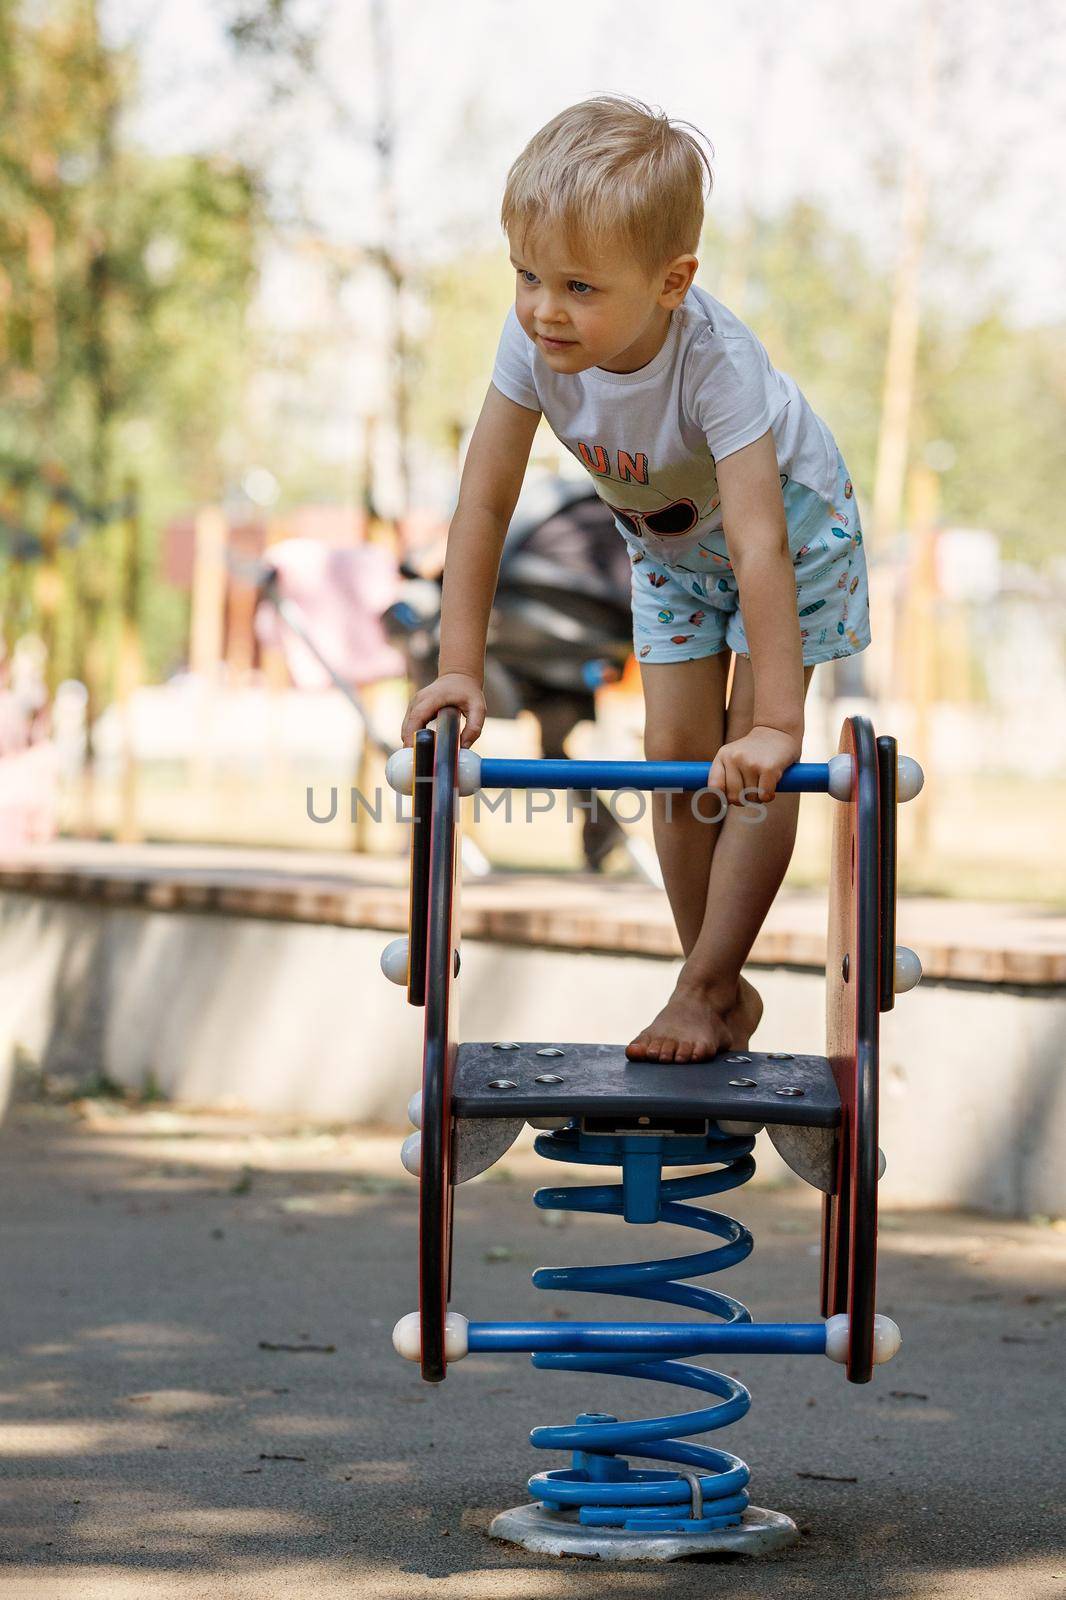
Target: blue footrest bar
pixel 651 1339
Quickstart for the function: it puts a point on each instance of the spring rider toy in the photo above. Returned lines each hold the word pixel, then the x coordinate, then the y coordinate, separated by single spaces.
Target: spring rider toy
pixel 597 1108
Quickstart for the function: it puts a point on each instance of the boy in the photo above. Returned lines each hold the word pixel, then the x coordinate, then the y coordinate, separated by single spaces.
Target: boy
pixel 730 492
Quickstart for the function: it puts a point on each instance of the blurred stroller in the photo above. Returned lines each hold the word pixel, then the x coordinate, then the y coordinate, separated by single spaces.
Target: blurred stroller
pixel 561 625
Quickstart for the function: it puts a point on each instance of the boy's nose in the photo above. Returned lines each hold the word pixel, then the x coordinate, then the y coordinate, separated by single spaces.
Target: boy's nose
pixel 547 312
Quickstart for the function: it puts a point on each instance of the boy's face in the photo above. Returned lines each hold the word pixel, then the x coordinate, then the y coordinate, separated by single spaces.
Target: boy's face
pixel 603 313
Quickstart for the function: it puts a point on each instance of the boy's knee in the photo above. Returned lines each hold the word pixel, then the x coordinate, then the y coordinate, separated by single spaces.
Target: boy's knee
pixel 677 742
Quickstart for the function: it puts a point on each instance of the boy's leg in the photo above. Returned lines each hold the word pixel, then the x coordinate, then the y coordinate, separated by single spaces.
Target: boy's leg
pixel 684 704
pixel 684 718
pixel 749 867
pixel 712 1006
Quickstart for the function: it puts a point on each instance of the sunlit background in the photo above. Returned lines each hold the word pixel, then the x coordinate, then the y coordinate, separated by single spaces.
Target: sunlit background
pixel 251 284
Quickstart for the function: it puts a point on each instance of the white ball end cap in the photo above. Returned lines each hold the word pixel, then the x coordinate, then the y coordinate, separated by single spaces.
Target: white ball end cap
pixel 836 1337
pixel 469 772
pixel 400 770
pixel 908 970
pixel 396 959
pixel 407 1336
pixel 910 778
pixel 457 1336
pixel 840 777
pixel 414 1109
pixel 411 1154
pixel 887 1338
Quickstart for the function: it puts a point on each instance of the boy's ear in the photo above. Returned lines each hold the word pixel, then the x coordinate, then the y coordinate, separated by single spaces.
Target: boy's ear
pixel 676 280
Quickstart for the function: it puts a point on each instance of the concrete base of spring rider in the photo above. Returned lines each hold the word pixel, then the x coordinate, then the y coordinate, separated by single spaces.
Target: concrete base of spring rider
pixel 559 1533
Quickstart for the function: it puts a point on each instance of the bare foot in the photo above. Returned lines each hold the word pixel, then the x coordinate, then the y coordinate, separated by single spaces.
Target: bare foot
pixel 744 1017
pixel 690 1027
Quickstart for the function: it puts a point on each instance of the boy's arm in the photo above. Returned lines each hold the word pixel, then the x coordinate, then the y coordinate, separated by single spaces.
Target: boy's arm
pixel 488 492
pixel 753 515
pixel 492 477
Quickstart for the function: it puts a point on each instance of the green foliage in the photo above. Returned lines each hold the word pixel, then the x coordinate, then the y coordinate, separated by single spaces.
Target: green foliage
pixel 99 1085
pixel 998 394
pixel 124 286
pixel 821 311
pixel 468 300
pixel 152 1091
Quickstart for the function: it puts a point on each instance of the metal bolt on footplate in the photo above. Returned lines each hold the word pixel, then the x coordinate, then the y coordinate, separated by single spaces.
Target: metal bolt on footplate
pixel 551 1050
pixel 743 1083
pixel 548 1077
pixel 506 1046
pixel 790 1092
pixel 503 1083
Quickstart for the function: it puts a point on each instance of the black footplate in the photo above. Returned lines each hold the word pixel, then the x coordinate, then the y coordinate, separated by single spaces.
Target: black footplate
pixel 596 1080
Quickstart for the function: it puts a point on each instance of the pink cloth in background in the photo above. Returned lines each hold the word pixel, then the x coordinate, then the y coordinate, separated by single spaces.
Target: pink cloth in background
pixel 29 796
pixel 14 723
pixel 340 593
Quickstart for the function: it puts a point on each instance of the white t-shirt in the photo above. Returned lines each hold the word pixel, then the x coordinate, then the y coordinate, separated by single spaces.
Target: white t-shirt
pixel 649 439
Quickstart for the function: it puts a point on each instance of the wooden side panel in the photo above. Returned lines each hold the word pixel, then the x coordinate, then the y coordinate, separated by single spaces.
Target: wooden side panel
pixel 853 992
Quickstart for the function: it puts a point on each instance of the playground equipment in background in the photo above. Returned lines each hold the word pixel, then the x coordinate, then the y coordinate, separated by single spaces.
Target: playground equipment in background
pixel 322 607
pixel 597 1108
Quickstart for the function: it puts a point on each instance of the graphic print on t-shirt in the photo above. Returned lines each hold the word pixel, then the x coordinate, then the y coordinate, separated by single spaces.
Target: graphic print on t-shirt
pixel 597 458
pixel 648 511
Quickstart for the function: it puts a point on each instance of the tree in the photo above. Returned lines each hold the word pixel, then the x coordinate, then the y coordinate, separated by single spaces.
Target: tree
pixel 124 286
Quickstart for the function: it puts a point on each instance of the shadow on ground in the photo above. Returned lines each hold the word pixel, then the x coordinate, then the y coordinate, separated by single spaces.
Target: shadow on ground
pixel 154 1443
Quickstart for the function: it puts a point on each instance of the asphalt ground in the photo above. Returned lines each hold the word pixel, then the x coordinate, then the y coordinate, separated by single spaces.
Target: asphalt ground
pixel 153 1444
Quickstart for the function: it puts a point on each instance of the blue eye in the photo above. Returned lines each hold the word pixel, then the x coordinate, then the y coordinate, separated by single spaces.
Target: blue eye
pixel 576 283
pixel 525 274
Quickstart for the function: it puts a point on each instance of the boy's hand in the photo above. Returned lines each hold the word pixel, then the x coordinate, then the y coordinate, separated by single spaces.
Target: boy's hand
pixel 453 689
pixel 754 762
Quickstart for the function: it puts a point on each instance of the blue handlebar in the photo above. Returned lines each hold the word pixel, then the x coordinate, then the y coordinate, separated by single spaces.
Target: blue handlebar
pixel 809 777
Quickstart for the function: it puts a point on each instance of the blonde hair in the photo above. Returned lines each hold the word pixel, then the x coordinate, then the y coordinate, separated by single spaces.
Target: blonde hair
pixel 611 172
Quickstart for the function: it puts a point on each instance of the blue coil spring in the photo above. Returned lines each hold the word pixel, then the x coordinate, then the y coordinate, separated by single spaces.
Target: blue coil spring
pixel 709 1482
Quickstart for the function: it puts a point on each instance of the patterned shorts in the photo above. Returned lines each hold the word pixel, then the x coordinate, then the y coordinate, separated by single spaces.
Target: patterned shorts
pixel 687 610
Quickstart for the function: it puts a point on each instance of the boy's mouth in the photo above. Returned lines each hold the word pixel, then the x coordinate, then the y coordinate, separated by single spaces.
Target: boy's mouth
pixel 556 344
